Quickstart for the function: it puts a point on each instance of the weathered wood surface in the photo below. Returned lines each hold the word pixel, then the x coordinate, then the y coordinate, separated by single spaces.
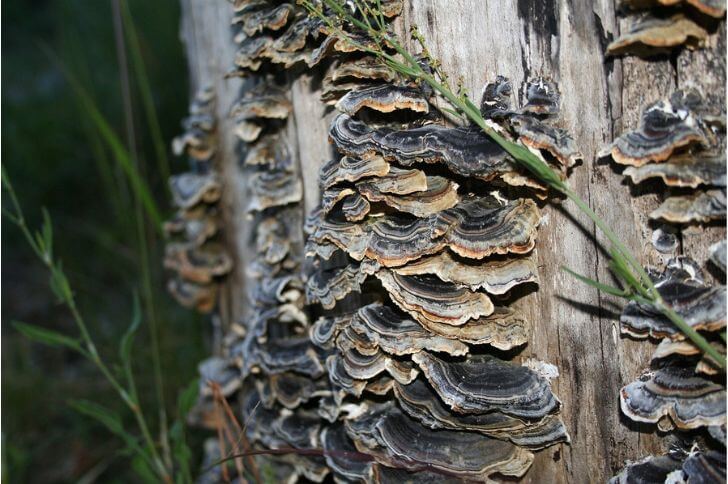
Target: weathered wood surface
pixel 573 326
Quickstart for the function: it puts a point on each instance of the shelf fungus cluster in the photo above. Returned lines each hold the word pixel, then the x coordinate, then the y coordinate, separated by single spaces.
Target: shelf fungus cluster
pixel 383 345
pixel 683 390
pixel 416 257
pixel 192 253
pixel 659 26
pixel 682 145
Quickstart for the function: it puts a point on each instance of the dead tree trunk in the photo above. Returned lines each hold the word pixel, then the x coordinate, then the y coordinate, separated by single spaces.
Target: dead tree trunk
pixel 574 327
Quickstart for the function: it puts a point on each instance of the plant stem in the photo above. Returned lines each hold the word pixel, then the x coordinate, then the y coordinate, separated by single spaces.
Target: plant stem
pixel 91 352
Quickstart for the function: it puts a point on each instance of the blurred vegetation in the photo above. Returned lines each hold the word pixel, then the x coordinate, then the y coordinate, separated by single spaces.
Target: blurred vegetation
pixel 57 158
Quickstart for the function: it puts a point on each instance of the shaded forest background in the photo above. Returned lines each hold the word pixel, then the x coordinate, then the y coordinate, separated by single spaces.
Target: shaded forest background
pixel 56 159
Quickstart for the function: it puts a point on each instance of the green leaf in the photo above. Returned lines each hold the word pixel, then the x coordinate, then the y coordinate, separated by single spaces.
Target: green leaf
pixel 112 422
pixel 59 283
pixel 602 287
pixel 47 231
pixel 127 340
pixel 187 398
pixel 108 418
pixel 47 336
pixel 121 154
pixel 143 470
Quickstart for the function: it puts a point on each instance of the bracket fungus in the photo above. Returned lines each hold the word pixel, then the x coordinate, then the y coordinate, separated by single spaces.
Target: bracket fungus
pixel 650 35
pixel 410 237
pixel 384 98
pixel 674 392
pixel 682 287
pixel 192 254
pixel 665 126
pixel 700 206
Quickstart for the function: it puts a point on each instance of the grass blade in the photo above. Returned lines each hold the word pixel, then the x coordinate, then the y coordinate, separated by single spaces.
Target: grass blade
pixel 145 90
pixel 596 284
pixel 47 336
pixel 121 154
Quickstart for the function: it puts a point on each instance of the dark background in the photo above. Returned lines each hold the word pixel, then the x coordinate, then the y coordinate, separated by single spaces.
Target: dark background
pixel 56 159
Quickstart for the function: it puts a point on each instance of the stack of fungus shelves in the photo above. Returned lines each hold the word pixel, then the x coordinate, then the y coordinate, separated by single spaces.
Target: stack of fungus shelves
pixel 384 345
pixel 193 253
pixel 382 340
pixel 680 147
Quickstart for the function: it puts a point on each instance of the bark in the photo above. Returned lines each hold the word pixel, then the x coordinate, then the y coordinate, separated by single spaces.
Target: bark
pixel 574 327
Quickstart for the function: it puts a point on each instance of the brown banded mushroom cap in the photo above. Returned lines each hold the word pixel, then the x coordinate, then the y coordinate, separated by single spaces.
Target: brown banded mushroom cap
pixel 400 336
pixel 247 131
pixel 350 170
pixel 201 297
pixel 653 35
pixel 465 151
pixel 475 228
pixel 291 390
pixel 698 207
pixel 665 126
pixel 341 380
pixel 197 264
pixel 361 342
pixel 496 99
pixel 649 469
pixel 341 455
pixel 195 225
pixel 389 240
pixel 706 365
pixel 189 189
pixel 220 371
pixel 300 428
pixel 403 442
pixel 368 68
pixel 333 196
pixel 421 402
pixel 701 306
pixel 687 170
pixel 427 298
pixel 326 287
pixel 271 152
pixel 675 391
pixel 367 367
pixel 542 96
pixel 289 354
pixel 355 207
pixel 439 195
pixel 272 240
pixel 384 98
pixel 495 277
pixel 484 383
pixel 283 289
pixel 295 37
pixel 505 329
pixel 263 101
pixel 396 181
pixel 250 51
pixel 324 331
pixel 270 17
pixel 273 189
pixel 540 136
pixel 479 227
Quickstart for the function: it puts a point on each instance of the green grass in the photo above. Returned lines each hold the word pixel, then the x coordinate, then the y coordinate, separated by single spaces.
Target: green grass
pixel 58 157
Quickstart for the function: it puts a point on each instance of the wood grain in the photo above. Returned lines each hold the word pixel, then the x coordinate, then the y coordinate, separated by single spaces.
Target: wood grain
pixel 573 326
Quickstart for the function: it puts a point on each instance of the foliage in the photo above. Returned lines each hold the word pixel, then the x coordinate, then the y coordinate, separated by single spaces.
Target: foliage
pixel 41 242
pixel 61 143
pixel 366 17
